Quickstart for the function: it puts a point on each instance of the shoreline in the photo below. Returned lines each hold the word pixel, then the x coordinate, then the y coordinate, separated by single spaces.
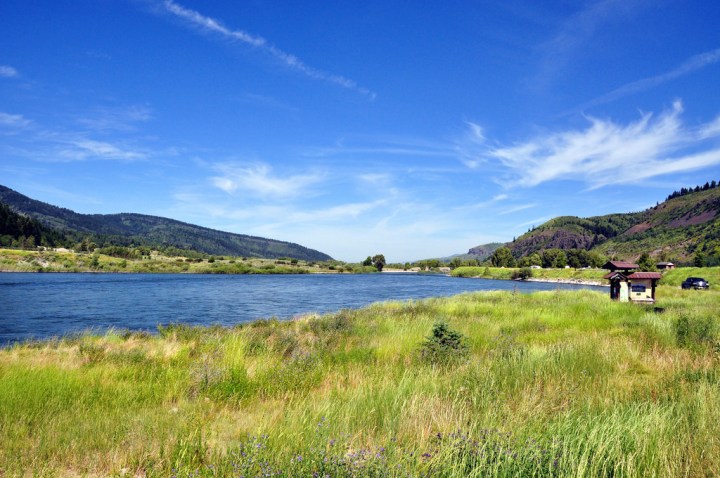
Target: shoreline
pixel 547 280
pixel 589 282
pixel 568 281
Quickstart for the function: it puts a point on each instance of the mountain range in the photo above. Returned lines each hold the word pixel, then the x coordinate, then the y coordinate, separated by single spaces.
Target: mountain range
pixel 682 228
pixel 139 229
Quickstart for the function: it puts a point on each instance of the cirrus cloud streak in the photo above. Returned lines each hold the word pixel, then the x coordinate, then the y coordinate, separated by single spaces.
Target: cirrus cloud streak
pixel 289 60
pixel 608 153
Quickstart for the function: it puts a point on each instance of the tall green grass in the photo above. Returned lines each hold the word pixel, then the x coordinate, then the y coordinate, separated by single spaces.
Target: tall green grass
pixel 553 384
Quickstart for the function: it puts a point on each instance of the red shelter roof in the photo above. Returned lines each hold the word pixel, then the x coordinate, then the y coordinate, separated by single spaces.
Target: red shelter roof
pixel 645 275
pixel 620 265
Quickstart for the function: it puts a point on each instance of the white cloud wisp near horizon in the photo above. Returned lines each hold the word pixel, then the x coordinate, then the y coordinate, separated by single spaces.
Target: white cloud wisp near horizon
pixel 289 60
pixel 608 153
pixel 258 180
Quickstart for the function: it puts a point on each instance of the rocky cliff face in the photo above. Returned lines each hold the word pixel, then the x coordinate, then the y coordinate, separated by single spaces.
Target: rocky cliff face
pixel 484 251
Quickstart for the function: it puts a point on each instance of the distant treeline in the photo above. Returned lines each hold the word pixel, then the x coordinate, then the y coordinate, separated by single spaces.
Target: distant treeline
pixel 684 191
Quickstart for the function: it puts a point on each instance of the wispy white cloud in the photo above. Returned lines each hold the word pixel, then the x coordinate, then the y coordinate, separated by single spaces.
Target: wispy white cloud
pixel 116 119
pixel 710 130
pixel 259 180
pixel 38 142
pixel 468 147
pixel 260 43
pixel 340 212
pixel 368 156
pixel 485 204
pixel 86 149
pixel 691 65
pixel 534 222
pixel 576 31
pixel 13 121
pixel 518 208
pixel 265 101
pixel 579 27
pixel 376 178
pixel 8 71
pixel 610 153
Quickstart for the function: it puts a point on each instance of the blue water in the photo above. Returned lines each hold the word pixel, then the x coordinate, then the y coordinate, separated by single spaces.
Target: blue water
pixel 37 306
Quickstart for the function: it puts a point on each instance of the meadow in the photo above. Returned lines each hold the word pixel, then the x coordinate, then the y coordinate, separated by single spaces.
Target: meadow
pixel 545 384
pixel 16 260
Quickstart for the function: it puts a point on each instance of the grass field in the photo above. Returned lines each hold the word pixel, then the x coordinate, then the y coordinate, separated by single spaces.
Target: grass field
pixel 13 260
pixel 552 384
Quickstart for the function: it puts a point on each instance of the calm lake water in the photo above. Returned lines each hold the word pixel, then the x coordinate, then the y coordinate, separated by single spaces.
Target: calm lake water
pixel 36 306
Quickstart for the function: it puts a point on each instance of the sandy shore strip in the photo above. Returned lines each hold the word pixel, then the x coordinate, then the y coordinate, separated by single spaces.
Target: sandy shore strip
pixel 570 281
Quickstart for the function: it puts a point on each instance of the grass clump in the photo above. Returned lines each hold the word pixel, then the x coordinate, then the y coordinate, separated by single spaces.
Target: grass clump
pixel 695 331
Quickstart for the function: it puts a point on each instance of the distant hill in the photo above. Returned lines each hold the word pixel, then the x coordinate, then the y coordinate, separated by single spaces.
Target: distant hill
pixel 139 229
pixel 570 232
pixel 682 227
pixel 483 251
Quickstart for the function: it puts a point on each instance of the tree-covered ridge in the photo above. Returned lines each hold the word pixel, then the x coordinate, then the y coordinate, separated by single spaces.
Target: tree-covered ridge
pixel 685 229
pixel 129 229
pixel 685 191
pixel 570 232
pixel 21 231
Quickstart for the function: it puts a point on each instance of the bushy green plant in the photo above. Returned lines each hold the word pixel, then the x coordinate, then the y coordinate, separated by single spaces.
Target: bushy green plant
pixel 444 345
pixel 524 273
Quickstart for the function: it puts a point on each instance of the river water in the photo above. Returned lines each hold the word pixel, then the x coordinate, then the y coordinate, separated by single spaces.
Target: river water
pixel 39 306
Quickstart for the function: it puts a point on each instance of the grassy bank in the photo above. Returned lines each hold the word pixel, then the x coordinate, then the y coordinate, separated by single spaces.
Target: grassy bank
pixel 675 277
pixel 13 260
pixel 672 277
pixel 550 274
pixel 553 384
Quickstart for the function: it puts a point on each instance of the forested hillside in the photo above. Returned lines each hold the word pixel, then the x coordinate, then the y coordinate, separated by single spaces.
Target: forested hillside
pixel 684 228
pixel 138 229
pixel 22 232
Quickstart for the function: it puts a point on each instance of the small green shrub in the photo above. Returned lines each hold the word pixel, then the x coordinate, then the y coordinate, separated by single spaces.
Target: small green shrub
pixel 524 273
pixel 444 345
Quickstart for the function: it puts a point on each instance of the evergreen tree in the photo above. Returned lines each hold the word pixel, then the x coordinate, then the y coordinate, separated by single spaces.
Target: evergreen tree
pixel 646 263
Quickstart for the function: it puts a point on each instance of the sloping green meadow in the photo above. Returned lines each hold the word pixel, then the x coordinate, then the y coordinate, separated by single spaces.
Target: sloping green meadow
pixel 555 384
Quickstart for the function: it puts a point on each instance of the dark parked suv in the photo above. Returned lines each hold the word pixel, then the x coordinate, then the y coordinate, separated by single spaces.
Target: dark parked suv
pixel 695 283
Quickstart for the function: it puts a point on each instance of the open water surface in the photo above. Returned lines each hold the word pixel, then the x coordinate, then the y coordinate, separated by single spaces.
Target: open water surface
pixel 38 306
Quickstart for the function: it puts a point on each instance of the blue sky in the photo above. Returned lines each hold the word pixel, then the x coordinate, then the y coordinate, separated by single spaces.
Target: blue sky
pixel 412 129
